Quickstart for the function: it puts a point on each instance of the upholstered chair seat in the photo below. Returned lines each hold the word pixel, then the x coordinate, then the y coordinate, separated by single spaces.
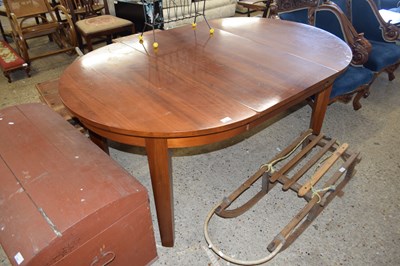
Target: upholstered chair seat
pixel 383 54
pixel 100 24
pixel 354 79
pixel 93 20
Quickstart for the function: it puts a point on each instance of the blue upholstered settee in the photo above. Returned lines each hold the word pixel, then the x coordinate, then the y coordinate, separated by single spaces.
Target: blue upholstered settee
pixel 356 80
pixel 364 15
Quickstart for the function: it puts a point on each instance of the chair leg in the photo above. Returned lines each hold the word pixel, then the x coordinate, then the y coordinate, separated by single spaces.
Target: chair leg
pixel 80 42
pixel 390 71
pixel 89 45
pixel 362 91
pixel 109 39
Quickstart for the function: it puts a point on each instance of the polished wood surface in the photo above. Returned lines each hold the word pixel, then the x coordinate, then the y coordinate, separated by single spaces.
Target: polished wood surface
pixel 198 88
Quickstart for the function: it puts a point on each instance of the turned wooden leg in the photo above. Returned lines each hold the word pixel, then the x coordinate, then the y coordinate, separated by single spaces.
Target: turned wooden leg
pixel 89 45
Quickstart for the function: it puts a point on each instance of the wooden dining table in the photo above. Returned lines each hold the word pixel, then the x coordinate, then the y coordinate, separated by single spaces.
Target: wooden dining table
pixel 198 88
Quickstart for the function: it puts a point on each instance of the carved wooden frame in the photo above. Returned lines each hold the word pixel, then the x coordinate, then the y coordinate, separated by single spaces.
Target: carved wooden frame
pixel 359 45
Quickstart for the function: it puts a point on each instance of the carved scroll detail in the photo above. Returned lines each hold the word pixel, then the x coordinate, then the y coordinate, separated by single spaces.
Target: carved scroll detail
pixel 360 48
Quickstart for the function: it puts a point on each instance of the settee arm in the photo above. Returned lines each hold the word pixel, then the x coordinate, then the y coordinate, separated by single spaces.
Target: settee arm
pixel 358 44
pixel 389 31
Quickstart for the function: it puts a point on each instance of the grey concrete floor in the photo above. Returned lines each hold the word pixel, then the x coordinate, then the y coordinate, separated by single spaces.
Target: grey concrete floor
pixel 360 228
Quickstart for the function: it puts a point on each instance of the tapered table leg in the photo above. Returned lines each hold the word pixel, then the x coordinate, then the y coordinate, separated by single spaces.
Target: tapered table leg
pixel 159 159
pixel 319 110
pixel 100 141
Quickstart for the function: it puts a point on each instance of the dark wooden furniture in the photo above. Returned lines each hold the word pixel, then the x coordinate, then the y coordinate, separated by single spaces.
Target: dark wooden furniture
pixel 62 32
pixel 64 201
pixel 198 88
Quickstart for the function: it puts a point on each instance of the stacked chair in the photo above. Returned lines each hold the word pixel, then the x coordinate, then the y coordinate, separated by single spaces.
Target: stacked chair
pixel 34 19
pixel 354 83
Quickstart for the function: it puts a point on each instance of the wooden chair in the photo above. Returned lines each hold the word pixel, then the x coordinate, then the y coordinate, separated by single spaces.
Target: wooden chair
pixel 92 20
pixel 354 83
pixel 23 15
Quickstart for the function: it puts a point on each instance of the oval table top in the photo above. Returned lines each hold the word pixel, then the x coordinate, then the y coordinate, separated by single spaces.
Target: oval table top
pixel 195 83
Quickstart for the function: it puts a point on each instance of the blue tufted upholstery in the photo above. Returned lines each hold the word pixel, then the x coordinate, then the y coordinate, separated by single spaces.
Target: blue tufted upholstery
pixel 356 79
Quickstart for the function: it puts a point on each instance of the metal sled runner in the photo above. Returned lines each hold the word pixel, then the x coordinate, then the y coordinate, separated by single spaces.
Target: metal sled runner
pixel 317 173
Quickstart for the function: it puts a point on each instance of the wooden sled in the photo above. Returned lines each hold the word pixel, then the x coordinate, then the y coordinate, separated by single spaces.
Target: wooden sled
pixel 333 166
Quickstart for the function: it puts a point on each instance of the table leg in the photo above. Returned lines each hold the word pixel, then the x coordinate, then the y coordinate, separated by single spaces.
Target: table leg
pixel 319 110
pixel 159 159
